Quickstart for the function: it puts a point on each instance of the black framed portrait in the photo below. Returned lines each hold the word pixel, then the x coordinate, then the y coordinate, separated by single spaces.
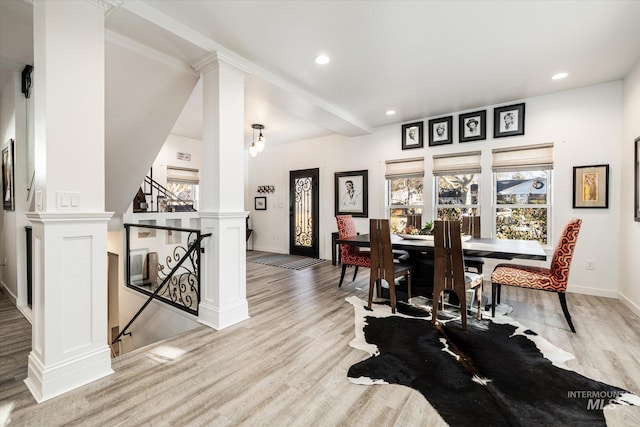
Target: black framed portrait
pixel 441 131
pixel 412 135
pixel 636 215
pixel 472 126
pixel 8 203
pixel 508 120
pixel 352 193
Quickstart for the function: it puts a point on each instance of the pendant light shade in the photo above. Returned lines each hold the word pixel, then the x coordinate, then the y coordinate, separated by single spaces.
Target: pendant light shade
pixel 260 143
pixel 253 150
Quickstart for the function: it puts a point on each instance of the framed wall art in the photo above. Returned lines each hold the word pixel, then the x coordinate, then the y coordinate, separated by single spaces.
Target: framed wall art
pixel 440 131
pixel 137 264
pixel 412 136
pixel 508 121
pixel 636 215
pixel 352 193
pixel 472 126
pixel 8 193
pixel 261 203
pixel 591 186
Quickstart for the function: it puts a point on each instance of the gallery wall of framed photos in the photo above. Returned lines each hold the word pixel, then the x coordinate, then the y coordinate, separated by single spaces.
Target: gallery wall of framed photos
pixel 508 120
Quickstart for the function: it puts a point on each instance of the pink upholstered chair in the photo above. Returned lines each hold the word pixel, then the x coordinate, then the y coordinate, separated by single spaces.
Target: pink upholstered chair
pixel 552 279
pixel 350 255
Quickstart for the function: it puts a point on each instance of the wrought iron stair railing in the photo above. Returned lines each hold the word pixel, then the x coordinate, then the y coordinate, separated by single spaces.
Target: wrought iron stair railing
pixel 179 287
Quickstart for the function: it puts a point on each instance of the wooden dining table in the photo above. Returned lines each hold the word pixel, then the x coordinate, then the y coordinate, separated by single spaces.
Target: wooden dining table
pixel 420 254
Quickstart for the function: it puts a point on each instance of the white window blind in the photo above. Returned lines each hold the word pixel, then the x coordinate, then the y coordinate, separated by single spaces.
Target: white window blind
pixel 405 167
pixel 528 157
pixel 459 163
pixel 186 175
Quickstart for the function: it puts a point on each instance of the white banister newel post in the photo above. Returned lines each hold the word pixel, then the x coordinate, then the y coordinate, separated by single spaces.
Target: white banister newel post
pixel 223 300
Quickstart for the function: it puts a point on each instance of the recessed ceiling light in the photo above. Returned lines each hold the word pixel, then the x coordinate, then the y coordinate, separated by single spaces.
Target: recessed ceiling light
pixel 390 112
pixel 559 76
pixel 322 59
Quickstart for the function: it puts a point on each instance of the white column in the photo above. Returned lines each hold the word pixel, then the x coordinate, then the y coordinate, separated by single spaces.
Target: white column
pixel 224 297
pixel 69 347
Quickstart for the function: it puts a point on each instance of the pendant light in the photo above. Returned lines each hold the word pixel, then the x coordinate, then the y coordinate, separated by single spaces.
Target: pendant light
pixel 253 150
pixel 260 142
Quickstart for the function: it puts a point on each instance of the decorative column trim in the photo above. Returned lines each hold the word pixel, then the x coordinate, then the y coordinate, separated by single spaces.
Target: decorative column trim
pixel 66 217
pixel 224 215
pixel 45 383
pixel 216 60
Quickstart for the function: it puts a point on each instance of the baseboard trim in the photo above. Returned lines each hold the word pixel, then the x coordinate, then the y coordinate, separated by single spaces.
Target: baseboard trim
pixel 47 382
pixel 221 317
pixel 630 304
pixel 607 293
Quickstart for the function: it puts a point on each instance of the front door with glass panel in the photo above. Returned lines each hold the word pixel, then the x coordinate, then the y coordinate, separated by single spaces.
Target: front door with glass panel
pixel 304 212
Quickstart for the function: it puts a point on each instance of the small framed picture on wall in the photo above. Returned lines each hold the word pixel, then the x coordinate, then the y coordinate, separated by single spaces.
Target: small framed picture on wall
pixel 591 186
pixel 412 135
pixel 472 126
pixel 441 131
pixel 508 121
pixel 261 203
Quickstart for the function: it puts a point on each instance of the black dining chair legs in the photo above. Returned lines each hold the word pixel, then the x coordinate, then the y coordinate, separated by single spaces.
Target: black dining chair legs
pixel 344 271
pixel 565 310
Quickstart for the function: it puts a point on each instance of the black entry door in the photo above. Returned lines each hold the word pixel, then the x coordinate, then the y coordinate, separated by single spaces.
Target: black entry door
pixel 304 213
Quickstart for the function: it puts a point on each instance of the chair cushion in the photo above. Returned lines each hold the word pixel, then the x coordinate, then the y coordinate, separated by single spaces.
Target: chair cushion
pixel 400 268
pixel 355 258
pixel 473 259
pixel 473 280
pixel 525 276
pixel 350 254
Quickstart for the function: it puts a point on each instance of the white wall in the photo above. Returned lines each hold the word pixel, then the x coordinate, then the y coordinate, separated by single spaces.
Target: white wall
pixel 16 114
pixel 629 229
pixel 584 125
pixel 144 98
pixel 7 225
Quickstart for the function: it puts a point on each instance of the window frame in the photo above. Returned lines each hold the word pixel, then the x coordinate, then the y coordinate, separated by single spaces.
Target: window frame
pixel 548 205
pixel 436 195
pixel 389 207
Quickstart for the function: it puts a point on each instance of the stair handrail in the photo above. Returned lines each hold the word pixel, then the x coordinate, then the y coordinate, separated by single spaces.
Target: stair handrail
pixel 194 245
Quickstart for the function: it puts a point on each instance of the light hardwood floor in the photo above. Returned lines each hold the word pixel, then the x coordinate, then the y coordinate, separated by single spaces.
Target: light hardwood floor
pixel 287 364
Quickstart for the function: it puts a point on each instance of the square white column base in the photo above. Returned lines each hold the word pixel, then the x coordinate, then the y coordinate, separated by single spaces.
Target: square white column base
pixel 221 317
pixel 48 382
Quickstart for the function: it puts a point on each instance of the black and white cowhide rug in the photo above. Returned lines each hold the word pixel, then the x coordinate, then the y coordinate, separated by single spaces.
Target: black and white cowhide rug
pixel 497 373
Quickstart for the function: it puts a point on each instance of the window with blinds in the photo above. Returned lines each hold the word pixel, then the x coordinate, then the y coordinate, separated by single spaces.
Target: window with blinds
pixel 183 184
pixel 457 188
pixel 522 196
pixel 404 192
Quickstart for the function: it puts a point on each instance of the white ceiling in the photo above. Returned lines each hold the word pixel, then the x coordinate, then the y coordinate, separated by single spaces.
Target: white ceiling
pixel 420 58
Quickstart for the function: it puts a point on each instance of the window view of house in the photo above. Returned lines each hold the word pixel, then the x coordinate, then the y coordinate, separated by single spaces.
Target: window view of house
pixel 457 195
pixel 522 205
pixel 404 201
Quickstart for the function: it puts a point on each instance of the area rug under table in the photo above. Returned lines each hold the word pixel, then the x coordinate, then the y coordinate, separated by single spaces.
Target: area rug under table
pixel 497 373
pixel 292 262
